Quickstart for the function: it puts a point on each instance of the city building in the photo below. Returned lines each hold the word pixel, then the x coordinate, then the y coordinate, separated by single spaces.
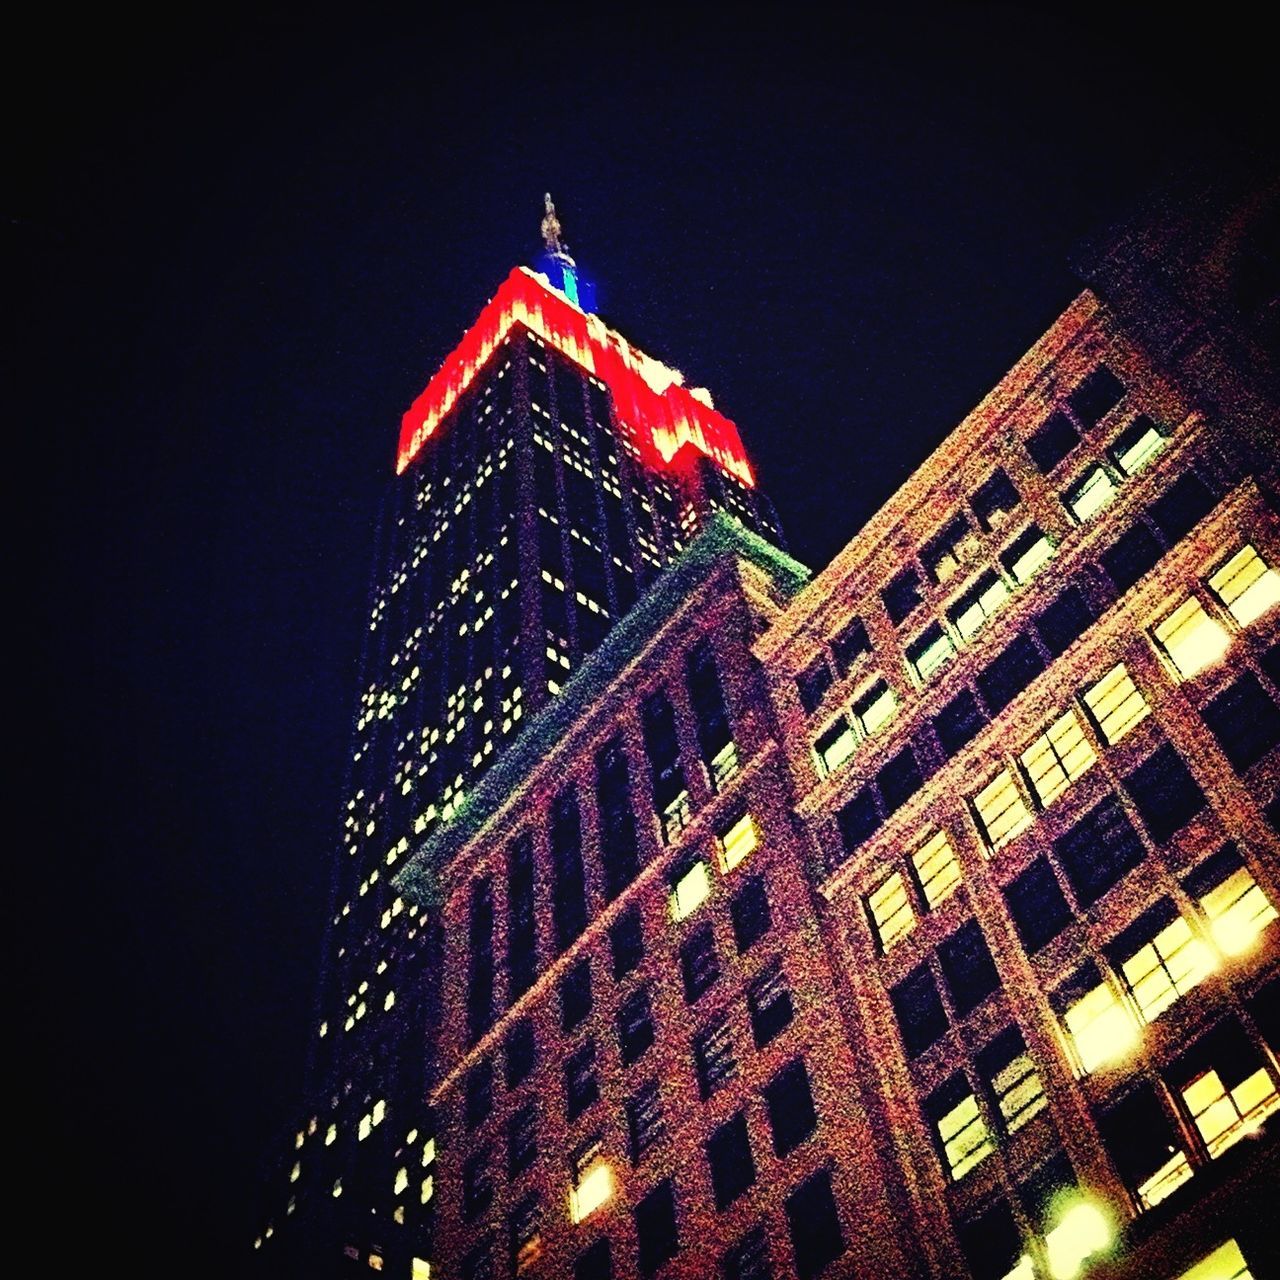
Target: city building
pixel 914 918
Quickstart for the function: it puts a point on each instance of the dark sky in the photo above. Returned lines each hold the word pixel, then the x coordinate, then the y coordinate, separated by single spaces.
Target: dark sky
pixel 241 246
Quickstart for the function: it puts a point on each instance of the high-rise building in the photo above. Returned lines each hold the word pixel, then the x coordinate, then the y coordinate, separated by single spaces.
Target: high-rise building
pixel 917 918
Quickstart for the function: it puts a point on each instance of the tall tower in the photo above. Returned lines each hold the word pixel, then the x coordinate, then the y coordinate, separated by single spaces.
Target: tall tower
pixel 547 472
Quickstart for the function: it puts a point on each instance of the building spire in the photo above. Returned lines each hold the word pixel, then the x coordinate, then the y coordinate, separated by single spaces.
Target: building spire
pixel 551 226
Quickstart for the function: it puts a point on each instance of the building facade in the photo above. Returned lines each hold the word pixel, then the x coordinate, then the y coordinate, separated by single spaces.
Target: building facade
pixel 914 918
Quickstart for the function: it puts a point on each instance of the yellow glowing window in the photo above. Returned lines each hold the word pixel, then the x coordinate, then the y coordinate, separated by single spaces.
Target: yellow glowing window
pixel 1238 911
pixel 1136 447
pixel 1090 494
pixel 594 1188
pixel 875 708
pixel 1173 962
pixel 1191 638
pixel 965 1140
pixel 1115 704
pixel 295 1173
pixel 1057 758
pixel 366 1127
pixel 420 1269
pixel 690 891
pixel 1019 1092
pixel 1224 1116
pixel 835 746
pixel 1165 1181
pixel 1098 1028
pixel 890 910
pixel 1001 810
pixel 375 1262
pixel 331 1135
pixel 1028 556
pixel 1082 1232
pixel 1246 585
pixel 1226 1262
pixel 972 610
pixel 428 1189
pixel 936 868
pixel 402 1181
pixel 739 842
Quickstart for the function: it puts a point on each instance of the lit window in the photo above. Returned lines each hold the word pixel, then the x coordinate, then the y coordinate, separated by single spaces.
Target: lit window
pixel 1027 554
pixel 1057 758
pixel 961 1131
pixel 421 1269
pixel 835 746
pixel 1223 1115
pixel 1082 1231
pixel 1144 1146
pixel 1014 1080
pixel 738 842
pixel 930 652
pixel 1097 1027
pixel 402 1181
pixel 428 1189
pixel 1136 445
pixel 1001 811
pixel 1167 966
pixel 1115 704
pixel 1246 585
pixel 1237 909
pixel 1191 638
pixel 970 613
pixel 593 1184
pixel 936 868
pixel 1093 491
pixel 690 891
pixel 945 554
pixel 890 910
pixel 1226 1262
pixel 875 708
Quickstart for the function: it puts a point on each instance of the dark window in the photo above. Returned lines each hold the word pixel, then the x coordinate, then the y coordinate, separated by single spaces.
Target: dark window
pixel 947 550
pixel 479 1092
pixel 1130 556
pixel 1178 510
pixel 1272 811
pixel 1042 1191
pixel 991 1243
pixel 520 1051
pixel 749 1258
pixel 480 967
pixel 850 643
pixel 619 851
pixel 477 1185
pixel 919 1010
pixel 1037 905
pixel 522 1144
pixel 789 1099
pixel 1166 794
pixel 595 1262
pixel 750 913
pixel 858 819
pixel 902 594
pixel 898 780
pixel 1264 1007
pixel 699 963
pixel 522 958
pixel 729 1155
pixel 1097 851
pixel 662 746
pixel 769 1001
pixel 655 1217
pixel 645 1122
pixel 812 684
pixel 1052 441
pixel 1270 663
pixel 814 1225
pixel 1064 621
pixel 478 1263
pixel 713 1057
pixel 1006 677
pixel 635 1026
pixel 994 499
pixel 626 942
pixel 580 1086
pixel 711 716
pixel 1139 1136
pixel 959 722
pixel 1245 721
pixel 968 968
pixel 569 899
pixel 1096 396
pixel 575 994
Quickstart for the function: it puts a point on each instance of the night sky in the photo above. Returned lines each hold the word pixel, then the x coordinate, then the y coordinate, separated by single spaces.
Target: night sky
pixel 241 246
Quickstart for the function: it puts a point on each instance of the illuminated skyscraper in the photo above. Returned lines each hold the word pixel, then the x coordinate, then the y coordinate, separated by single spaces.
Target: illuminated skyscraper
pixel 547 473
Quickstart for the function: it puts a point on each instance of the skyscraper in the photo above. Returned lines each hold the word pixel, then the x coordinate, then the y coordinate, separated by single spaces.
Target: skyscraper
pixel 914 918
pixel 547 473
